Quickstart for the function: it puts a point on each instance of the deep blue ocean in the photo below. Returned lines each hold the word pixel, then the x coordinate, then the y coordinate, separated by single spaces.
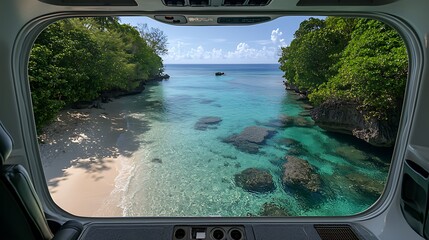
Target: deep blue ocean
pixel 177 170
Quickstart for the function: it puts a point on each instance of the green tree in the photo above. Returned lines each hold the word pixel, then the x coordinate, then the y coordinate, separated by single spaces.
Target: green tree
pixel 310 59
pixel 60 70
pixel 372 71
pixel 77 59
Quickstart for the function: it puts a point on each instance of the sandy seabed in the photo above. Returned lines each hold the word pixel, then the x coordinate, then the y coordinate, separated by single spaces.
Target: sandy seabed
pixel 81 160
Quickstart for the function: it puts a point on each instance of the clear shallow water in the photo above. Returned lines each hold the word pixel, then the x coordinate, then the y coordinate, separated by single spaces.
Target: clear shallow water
pixel 180 171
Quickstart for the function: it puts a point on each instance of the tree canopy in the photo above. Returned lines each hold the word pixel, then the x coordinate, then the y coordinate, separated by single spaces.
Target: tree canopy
pixel 77 59
pixel 349 59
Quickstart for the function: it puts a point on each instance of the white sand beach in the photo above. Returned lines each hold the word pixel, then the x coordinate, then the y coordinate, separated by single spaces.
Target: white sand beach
pixel 81 159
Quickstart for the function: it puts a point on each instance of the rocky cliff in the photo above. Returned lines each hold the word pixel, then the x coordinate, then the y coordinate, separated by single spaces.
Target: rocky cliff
pixel 345 117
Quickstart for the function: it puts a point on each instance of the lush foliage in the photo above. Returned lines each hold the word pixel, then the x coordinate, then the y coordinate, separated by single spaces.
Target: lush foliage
pixel 310 59
pixel 358 60
pixel 77 59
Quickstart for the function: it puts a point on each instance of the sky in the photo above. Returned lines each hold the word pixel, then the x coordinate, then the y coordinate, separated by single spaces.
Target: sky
pixel 259 43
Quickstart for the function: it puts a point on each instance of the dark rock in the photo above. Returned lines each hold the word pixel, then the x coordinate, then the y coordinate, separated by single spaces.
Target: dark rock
pixel 289 142
pixel 82 105
pixel 364 184
pixel 255 134
pixel 105 99
pixel 345 117
pixel 160 77
pixel 296 151
pixel 299 174
pixel 255 180
pixel 305 114
pixel 156 160
pixel 229 157
pixel 270 209
pixel 237 165
pixel 96 104
pixel 289 86
pixel 250 139
pixel 307 106
pixel 244 146
pixel 302 122
pixel 117 93
pixel 275 123
pixel 276 161
pixel 206 101
pixel 207 122
pixel 379 162
pixel 302 97
pixel 289 121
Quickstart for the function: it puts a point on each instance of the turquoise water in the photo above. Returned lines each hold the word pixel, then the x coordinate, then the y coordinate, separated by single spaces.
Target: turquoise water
pixel 177 170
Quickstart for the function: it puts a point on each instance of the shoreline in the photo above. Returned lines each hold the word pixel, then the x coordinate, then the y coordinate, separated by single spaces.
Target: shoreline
pixel 82 161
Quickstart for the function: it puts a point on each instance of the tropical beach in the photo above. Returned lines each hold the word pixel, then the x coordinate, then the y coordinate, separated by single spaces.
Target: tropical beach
pixel 310 135
pixel 81 159
pixel 204 145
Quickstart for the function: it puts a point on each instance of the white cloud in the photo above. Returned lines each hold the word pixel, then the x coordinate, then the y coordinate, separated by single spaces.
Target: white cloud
pixel 244 51
pixel 216 53
pixel 276 38
pixel 175 50
pixel 275 34
pixel 196 53
pixel 256 51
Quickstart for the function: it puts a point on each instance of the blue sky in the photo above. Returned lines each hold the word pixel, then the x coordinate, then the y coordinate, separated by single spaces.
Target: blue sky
pixel 224 44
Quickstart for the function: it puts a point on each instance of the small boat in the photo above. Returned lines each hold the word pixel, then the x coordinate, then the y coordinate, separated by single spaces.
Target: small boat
pixel 219 73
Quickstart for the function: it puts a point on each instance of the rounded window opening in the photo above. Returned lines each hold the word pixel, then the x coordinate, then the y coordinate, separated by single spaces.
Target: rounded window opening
pixel 138 118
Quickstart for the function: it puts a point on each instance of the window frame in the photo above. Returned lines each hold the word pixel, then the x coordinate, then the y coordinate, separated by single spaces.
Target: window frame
pixel 28 34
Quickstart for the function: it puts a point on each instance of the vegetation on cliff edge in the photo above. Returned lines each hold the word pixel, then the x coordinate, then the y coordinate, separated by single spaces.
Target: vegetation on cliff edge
pixel 77 59
pixel 351 60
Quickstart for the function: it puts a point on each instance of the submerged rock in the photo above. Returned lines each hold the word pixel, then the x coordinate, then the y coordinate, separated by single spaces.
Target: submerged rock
pixel 345 117
pixel 302 97
pixel 229 156
pixel 206 101
pixel 255 180
pixel 156 160
pixel 250 139
pixel 297 151
pixel 290 121
pixel 243 145
pixel 351 153
pixel 302 122
pixel 307 106
pixel 294 147
pixel 255 134
pixel 299 174
pixel 207 122
pixel 270 209
pixel 363 184
pixel 289 142
pixel 305 114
